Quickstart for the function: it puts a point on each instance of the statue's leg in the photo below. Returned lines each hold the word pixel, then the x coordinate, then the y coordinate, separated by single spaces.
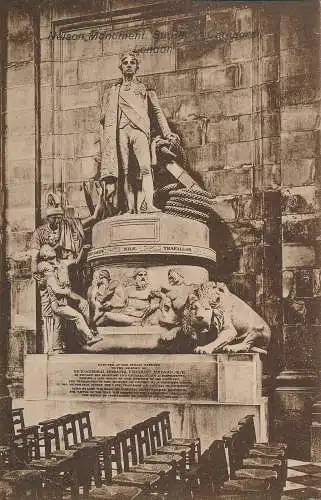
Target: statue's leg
pixel 142 153
pixel 140 195
pixel 58 336
pixel 70 314
pixel 129 194
pixel 124 145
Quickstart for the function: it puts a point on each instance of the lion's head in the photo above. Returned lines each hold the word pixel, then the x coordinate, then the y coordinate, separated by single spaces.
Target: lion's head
pixel 203 314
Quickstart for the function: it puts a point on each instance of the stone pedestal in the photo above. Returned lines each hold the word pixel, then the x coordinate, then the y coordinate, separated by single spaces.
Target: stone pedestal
pixel 292 411
pixel 126 238
pixel 156 242
pixel 206 395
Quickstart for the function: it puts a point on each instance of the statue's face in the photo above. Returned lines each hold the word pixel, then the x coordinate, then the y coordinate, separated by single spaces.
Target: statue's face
pixel 52 260
pixel 103 281
pixel 174 278
pixel 141 280
pixel 128 66
pixel 54 221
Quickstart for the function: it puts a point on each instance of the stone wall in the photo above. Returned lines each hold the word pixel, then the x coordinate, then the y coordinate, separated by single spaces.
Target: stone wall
pixel 241 87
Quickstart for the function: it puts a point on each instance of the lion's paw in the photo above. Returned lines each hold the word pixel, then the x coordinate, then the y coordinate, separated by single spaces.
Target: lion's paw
pixel 203 350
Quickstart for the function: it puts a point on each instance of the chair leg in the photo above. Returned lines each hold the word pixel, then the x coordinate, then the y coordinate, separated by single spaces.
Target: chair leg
pixel 97 471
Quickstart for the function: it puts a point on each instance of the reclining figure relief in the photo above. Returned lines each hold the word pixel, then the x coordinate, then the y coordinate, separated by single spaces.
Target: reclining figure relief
pixel 203 319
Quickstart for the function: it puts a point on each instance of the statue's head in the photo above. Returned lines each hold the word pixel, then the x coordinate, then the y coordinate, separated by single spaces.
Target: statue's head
pixel 54 212
pixel 129 63
pixel 141 278
pixel 198 314
pixel 101 276
pixel 54 221
pixel 175 276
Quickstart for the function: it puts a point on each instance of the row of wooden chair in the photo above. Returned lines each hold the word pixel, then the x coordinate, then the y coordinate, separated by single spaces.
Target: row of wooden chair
pixel 150 459
pixel 143 462
pixel 145 458
pixel 237 467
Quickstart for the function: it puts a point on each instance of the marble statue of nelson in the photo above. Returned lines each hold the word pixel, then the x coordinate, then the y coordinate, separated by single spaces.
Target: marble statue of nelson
pixel 128 107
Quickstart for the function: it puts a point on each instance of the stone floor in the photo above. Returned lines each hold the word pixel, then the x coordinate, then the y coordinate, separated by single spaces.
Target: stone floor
pixel 304 481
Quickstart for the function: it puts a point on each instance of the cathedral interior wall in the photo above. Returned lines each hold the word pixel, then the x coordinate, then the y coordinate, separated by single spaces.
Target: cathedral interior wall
pixel 240 85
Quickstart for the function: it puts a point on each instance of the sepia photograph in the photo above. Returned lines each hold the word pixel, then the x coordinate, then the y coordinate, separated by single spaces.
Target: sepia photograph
pixel 160 250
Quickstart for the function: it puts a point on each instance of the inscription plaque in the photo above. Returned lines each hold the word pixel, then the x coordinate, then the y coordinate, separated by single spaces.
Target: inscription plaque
pixel 122 378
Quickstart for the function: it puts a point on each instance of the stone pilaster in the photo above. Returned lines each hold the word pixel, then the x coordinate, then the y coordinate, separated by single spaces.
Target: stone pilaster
pixel 297 384
pixel 5 400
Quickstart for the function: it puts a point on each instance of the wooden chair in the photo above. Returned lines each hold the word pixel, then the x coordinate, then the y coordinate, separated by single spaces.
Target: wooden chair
pixel 84 434
pixel 23 483
pixel 125 457
pixel 237 456
pixel 161 437
pixel 199 477
pixel 23 439
pixel 258 450
pixel 248 422
pixel 192 444
pixel 164 465
pixel 141 437
pixel 18 481
pixel 88 453
pixel 59 467
pixel 213 479
pixel 177 460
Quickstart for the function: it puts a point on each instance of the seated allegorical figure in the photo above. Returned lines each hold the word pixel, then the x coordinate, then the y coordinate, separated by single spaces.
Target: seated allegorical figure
pixel 60 296
pixel 142 300
pixel 106 298
pixel 174 298
pixel 219 321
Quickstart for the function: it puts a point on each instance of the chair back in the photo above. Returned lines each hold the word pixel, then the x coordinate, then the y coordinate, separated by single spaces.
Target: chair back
pixel 50 429
pixel 249 430
pixel 18 421
pixel 141 434
pixel 153 426
pixel 69 431
pixel 165 423
pixel 83 422
pixel 128 450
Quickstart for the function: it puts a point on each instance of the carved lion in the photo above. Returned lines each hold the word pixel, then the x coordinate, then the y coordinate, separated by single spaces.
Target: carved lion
pixel 219 321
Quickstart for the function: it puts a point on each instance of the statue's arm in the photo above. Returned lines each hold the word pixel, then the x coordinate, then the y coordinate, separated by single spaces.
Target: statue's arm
pixel 89 221
pixel 159 114
pixel 57 290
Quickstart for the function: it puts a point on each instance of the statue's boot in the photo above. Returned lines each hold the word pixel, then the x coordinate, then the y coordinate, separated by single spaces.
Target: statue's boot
pixel 148 191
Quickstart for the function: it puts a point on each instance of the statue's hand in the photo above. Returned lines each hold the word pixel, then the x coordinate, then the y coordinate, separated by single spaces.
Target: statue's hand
pixel 173 139
pixel 153 294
